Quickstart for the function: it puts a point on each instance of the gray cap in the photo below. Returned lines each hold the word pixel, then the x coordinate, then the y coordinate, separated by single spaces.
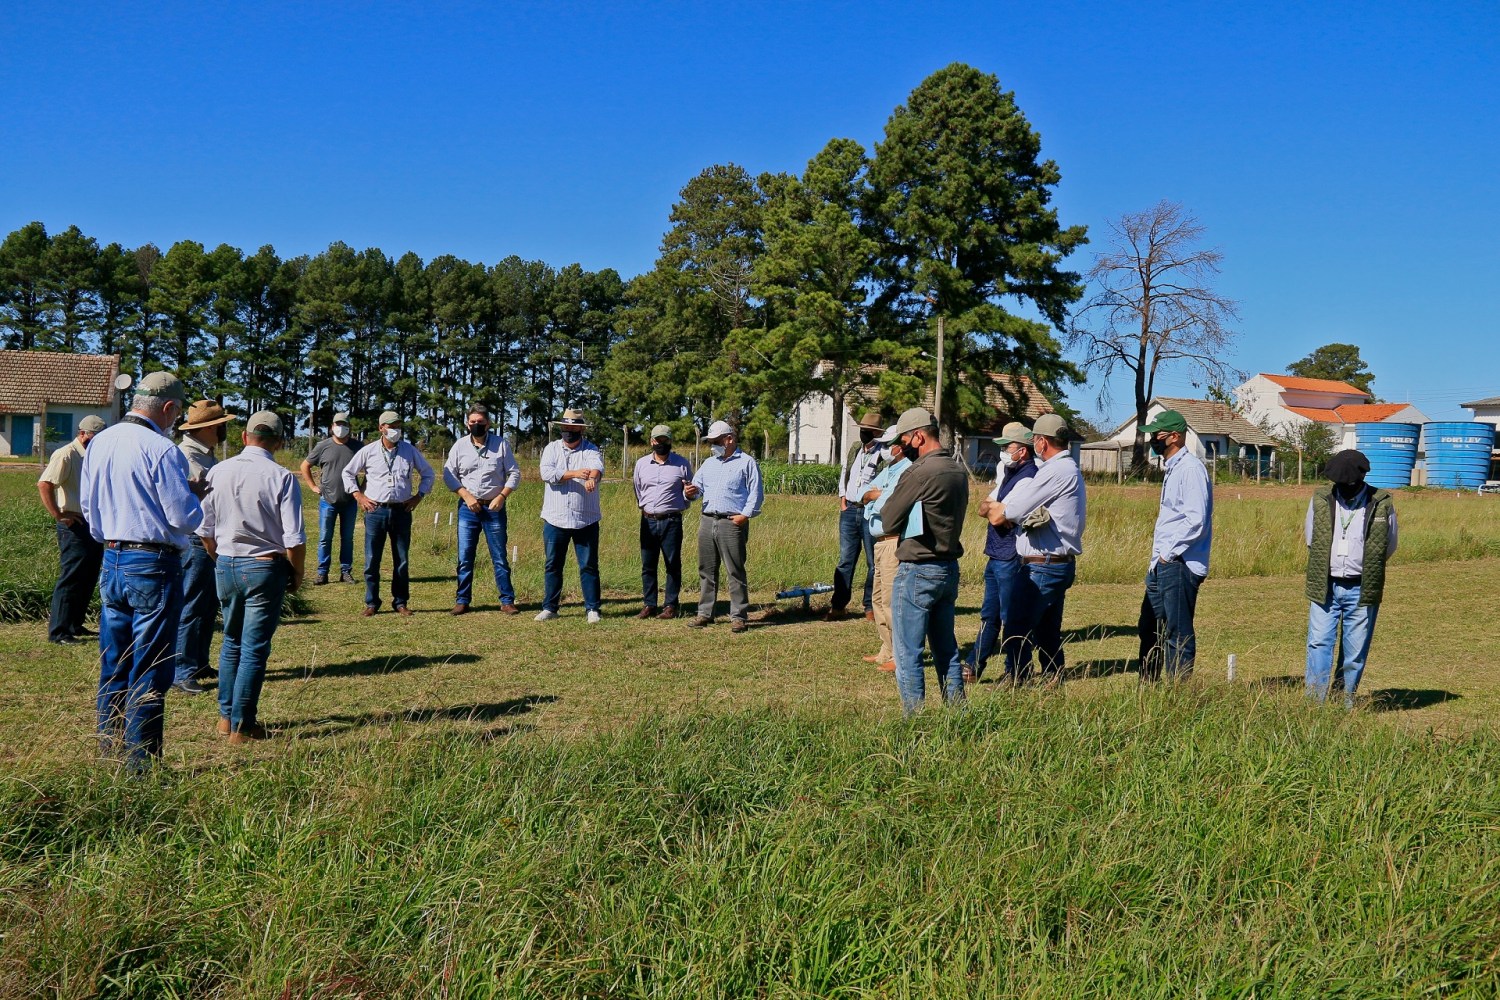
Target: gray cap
pixel 91 424
pixel 1014 432
pixel 341 417
pixel 661 431
pixel 266 424
pixel 163 385
pixel 718 429
pixel 914 419
pixel 390 417
pixel 1053 426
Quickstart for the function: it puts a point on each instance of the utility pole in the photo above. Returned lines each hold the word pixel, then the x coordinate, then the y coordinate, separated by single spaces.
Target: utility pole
pixel 937 399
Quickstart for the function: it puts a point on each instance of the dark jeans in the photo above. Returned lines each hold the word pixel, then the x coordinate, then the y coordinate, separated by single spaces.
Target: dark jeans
pixel 491 524
pixel 854 538
pixel 999 582
pixel 1035 622
pixel 393 523
pixel 555 544
pixel 923 600
pixel 251 591
pixel 342 513
pixel 722 542
pixel 79 558
pixel 141 593
pixel 200 610
pixel 1172 645
pixel 662 537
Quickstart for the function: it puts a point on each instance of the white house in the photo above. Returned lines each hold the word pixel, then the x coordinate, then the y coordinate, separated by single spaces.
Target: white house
pixel 1488 411
pixel 1215 431
pixel 44 394
pixel 1285 402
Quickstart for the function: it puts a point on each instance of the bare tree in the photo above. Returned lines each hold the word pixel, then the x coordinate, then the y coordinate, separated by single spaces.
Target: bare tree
pixel 1153 306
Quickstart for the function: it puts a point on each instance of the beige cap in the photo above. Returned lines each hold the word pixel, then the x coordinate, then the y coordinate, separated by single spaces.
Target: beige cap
pixel 266 424
pixel 1014 432
pixel 390 417
pixel 340 417
pixel 914 419
pixel 163 385
pixel 91 424
pixel 1053 426
pixel 661 431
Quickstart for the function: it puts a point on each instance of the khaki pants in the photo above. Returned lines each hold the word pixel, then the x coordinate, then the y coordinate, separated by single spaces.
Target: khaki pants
pixel 885 575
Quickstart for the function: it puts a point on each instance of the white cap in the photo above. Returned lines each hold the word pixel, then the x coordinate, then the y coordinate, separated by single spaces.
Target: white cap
pixel 889 437
pixel 718 429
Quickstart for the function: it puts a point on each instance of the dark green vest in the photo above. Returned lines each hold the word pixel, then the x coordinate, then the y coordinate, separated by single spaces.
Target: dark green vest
pixel 1320 552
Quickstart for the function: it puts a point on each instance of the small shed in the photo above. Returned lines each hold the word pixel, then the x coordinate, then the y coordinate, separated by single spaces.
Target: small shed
pixel 44 394
pixel 1215 431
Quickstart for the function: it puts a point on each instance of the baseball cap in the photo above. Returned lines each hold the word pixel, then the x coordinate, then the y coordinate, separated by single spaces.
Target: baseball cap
pixel 1053 426
pixel 1014 432
pixel 1166 420
pixel 914 419
pixel 341 417
pixel 718 429
pixel 163 385
pixel 91 424
pixel 889 437
pixel 390 417
pixel 661 431
pixel 266 424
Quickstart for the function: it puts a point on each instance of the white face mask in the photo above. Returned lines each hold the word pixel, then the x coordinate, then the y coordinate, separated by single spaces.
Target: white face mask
pixel 1007 460
pixel 717 450
pixel 341 431
pixel 891 453
pixel 393 435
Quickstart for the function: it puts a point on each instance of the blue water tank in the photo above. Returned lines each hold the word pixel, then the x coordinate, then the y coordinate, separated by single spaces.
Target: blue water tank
pixel 1392 451
pixel 1458 453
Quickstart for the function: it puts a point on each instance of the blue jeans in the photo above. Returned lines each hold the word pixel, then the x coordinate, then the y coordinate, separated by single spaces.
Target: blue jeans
pixel 141 594
pixel 999 582
pixel 393 523
pixel 555 543
pixel 200 610
pixel 251 591
pixel 922 602
pixel 343 513
pixel 1035 623
pixel 490 523
pixel 854 538
pixel 661 537
pixel 1341 615
pixel 1172 592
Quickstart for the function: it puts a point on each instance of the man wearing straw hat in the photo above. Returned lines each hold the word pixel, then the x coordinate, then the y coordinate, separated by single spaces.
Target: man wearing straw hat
pixel 204 430
pixel 387 499
pixel 571 469
pixel 663 482
pixel 79 556
pixel 855 475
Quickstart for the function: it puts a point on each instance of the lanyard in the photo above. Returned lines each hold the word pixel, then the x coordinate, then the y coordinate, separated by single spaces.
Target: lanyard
pixel 389 454
pixel 1344 522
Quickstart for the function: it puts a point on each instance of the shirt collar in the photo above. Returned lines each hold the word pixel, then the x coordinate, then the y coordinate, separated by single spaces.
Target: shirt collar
pixel 257 451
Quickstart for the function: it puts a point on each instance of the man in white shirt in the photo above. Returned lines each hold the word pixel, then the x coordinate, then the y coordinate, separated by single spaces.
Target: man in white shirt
pixel 571 469
pixel 388 500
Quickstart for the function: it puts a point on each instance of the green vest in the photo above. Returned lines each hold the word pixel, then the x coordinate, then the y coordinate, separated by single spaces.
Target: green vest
pixel 1320 552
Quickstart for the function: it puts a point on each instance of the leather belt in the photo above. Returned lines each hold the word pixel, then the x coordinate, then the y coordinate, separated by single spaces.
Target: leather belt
pixel 148 546
pixel 1347 581
pixel 393 503
pixel 717 517
pixel 662 516
pixel 1038 560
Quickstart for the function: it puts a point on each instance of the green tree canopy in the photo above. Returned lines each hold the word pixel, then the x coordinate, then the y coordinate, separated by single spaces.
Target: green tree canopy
pixel 1339 362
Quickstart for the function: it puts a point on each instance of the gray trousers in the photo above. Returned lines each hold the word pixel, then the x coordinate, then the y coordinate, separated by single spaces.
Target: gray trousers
pixel 721 541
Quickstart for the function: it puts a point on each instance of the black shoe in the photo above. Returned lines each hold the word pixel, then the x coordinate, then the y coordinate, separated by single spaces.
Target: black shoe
pixel 83 633
pixel 188 687
pixel 321 580
pixel 67 640
pixel 346 577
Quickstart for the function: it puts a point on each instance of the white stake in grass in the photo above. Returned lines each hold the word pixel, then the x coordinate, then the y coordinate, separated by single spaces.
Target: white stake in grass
pixel 1231 668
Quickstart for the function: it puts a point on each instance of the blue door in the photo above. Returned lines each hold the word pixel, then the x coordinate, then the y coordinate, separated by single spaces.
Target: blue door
pixel 22 433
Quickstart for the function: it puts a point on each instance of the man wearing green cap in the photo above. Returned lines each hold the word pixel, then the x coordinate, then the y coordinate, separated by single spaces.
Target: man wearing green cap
pixel 79 556
pixel 1179 552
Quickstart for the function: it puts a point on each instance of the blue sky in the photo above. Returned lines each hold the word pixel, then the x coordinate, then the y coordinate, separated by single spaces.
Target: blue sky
pixel 1341 155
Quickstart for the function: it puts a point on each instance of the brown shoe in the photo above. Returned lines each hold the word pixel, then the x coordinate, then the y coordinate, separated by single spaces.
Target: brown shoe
pixel 647 612
pixel 889 667
pixel 698 621
pixel 223 727
pixel 869 616
pixel 249 734
pixel 404 611
pixel 738 625
pixel 368 611
pixel 510 609
pixel 458 609
pixel 668 613
pixel 834 615
pixel 871 659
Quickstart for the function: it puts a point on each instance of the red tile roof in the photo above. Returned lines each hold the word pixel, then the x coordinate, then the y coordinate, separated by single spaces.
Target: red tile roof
pixel 31 380
pixel 1351 413
pixel 1319 414
pixel 1314 384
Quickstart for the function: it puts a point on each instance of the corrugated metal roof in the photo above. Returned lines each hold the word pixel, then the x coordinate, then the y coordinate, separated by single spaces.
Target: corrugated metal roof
pixel 1491 401
pixel 31 380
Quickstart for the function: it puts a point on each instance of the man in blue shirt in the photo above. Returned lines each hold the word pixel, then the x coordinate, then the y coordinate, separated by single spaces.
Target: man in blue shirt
pixel 729 483
pixel 885 561
pixel 482 470
pixel 137 504
pixel 663 482
pixel 1002 565
pixel 387 499
pixel 855 475
pixel 1179 552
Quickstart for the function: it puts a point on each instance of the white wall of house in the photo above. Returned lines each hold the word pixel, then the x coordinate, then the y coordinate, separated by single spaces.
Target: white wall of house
pixel 1487 414
pixel 810 436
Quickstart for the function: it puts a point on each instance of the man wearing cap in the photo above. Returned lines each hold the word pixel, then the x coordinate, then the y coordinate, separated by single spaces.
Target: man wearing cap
pixel 571 468
pixel 855 474
pixel 1002 564
pixel 663 482
pixel 1351 534
pixel 886 563
pixel 79 556
pixel 927 508
pixel 387 499
pixel 135 499
pixel 482 470
pixel 252 523
pixel 1049 509
pixel 729 482
pixel 1179 551
pixel 203 431
pixel 336 508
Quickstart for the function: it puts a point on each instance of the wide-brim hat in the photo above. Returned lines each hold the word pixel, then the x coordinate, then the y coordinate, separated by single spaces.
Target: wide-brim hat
pixel 204 413
pixel 871 421
pixel 571 418
pixel 1014 432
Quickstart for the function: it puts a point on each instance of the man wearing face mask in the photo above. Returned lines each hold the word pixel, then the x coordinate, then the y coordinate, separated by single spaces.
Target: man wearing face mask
pixel 336 508
pixel 1179 552
pixel 571 469
pixel 482 470
pixel 388 500
pixel 732 494
pixel 203 431
pixel 663 482
pixel 886 563
pixel 1002 564
pixel 1351 534
pixel 135 499
pixel 855 475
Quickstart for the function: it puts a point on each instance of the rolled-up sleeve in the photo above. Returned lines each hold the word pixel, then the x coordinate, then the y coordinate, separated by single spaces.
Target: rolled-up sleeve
pixel 755 494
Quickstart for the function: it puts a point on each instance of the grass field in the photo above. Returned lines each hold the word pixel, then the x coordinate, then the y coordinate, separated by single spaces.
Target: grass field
pixel 494 806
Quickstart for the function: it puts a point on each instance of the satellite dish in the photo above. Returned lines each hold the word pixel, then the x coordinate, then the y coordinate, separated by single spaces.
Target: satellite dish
pixel 123 381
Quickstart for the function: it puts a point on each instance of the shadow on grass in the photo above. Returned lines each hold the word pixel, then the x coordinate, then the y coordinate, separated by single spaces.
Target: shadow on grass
pixel 1085 669
pixel 484 712
pixel 1282 683
pixel 370 665
pixel 1092 633
pixel 1406 699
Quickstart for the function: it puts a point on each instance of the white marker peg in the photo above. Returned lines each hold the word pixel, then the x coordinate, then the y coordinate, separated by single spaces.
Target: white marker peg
pixel 1231 668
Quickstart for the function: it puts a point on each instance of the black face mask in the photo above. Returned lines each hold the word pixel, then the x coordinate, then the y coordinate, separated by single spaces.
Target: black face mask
pixel 865 437
pixel 478 430
pixel 1158 446
pixel 662 447
pixel 1350 490
pixel 572 437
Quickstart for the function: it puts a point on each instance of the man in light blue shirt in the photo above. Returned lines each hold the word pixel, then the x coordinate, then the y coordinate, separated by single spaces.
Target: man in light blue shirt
pixel 136 501
pixel 663 482
pixel 387 500
pixel 571 470
pixel 1179 553
pixel 855 474
pixel 729 483
pixel 884 559
pixel 482 470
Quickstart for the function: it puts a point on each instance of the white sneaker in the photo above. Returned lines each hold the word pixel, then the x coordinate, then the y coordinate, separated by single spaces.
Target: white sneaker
pixel 545 616
pixel 594 618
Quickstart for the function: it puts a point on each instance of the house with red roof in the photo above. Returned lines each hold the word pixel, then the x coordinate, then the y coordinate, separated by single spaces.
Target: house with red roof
pixel 44 394
pixel 1282 403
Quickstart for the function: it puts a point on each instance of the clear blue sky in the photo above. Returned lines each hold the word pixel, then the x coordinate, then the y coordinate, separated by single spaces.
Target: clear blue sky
pixel 1342 155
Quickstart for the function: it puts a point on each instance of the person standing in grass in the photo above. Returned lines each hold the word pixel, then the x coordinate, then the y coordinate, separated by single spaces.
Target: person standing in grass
pixel 927 507
pixel 387 499
pixel 730 485
pixel 1179 551
pixel 336 508
pixel 1351 534
pixel 663 482
pixel 885 560
pixel 482 470
pixel 1001 564
pixel 1050 509
pixel 855 475
pixel 252 525
pixel 203 431
pixel 571 469
pixel 79 556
